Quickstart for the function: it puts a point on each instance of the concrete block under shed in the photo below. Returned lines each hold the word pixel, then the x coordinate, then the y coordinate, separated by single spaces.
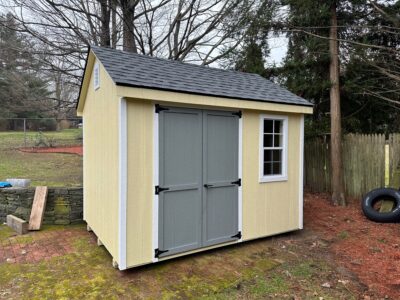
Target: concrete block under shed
pixel 18 225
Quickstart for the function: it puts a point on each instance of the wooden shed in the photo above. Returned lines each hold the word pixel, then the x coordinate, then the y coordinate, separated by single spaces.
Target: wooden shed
pixel 180 158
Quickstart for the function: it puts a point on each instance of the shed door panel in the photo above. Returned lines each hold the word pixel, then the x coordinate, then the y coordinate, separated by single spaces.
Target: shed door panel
pixel 181 172
pixel 220 169
pixel 198 163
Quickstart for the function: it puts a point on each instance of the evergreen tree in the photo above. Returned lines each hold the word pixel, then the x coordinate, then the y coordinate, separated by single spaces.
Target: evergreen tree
pixel 305 70
pixel 256 28
pixel 372 98
pixel 22 90
pixel 365 92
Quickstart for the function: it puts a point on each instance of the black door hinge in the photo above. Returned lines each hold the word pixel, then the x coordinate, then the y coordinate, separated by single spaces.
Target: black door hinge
pixel 238 182
pixel 158 252
pixel 160 189
pixel 160 108
pixel 238 113
pixel 237 236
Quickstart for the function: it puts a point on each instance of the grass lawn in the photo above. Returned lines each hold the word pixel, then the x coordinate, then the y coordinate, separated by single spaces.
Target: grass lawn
pixel 51 169
pixel 280 268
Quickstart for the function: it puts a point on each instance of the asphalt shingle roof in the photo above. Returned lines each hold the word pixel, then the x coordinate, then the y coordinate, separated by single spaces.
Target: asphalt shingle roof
pixel 137 70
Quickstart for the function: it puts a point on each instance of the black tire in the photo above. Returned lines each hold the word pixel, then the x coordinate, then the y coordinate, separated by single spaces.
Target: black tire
pixel 378 194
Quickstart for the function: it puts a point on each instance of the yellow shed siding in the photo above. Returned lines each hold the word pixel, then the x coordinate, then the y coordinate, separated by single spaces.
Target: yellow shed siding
pixel 100 175
pixel 268 208
pixel 139 182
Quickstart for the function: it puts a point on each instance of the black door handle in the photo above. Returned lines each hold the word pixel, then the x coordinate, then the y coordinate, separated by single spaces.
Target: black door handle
pixel 208 185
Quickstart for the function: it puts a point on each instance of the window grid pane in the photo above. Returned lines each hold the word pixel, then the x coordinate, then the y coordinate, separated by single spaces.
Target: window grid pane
pixel 272 147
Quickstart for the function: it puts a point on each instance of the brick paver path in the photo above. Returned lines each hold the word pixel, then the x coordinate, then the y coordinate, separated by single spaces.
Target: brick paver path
pixel 41 245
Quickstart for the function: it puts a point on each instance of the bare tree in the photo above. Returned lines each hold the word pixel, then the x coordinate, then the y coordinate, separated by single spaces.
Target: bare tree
pixel 202 31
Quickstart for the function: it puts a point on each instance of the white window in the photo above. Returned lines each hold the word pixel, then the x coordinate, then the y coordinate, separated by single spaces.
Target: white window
pixel 273 148
pixel 96 76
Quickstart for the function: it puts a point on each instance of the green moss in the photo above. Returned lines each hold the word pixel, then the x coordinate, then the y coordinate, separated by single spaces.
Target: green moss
pixel 5 232
pixel 235 273
pixel 343 235
pixel 270 286
pixel 266 264
pixel 61 207
pixel 70 276
pixel 21 239
pixel 219 285
pixel 303 270
pixel 8 272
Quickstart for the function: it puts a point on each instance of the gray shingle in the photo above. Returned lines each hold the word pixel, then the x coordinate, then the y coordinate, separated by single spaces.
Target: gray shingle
pixel 149 72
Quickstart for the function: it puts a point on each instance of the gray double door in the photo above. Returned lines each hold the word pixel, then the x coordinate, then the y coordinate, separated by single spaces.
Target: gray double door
pixel 198 179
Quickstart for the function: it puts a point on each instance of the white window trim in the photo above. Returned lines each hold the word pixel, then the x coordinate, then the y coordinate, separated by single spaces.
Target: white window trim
pixel 283 176
pixel 96 72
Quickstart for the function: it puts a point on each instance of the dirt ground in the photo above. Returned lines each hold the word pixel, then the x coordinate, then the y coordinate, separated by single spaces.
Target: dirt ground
pixel 370 250
pixel 339 255
pixel 59 149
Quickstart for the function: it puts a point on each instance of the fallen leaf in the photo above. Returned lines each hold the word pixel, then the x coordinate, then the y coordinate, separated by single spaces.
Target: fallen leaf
pixel 326 285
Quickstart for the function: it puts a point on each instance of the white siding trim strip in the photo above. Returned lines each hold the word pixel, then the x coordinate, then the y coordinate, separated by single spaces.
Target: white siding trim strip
pixel 84 170
pixel 155 181
pixel 123 173
pixel 240 153
pixel 301 172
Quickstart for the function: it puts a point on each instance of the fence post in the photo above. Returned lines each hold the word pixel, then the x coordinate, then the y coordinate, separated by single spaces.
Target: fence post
pixel 25 132
pixel 387 164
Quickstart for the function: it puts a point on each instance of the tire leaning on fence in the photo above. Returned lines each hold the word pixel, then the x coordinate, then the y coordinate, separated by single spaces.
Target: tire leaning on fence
pixel 380 194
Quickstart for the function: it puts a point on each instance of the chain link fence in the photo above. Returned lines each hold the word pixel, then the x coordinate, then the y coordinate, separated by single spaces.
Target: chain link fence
pixel 39 132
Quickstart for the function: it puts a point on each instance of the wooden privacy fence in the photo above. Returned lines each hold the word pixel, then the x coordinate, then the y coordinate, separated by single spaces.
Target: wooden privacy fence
pixel 369 161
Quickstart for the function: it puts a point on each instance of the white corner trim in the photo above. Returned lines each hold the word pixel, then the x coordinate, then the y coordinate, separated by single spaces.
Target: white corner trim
pixel 283 176
pixel 240 168
pixel 84 170
pixel 155 181
pixel 123 173
pixel 301 172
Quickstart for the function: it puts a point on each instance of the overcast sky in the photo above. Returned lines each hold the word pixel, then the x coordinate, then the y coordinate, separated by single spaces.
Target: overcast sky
pixel 278 46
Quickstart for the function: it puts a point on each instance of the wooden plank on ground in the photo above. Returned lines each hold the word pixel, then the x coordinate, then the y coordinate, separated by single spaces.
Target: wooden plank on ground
pixel 38 207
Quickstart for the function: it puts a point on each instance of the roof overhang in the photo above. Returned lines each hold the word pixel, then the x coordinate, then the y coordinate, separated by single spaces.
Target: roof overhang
pixel 90 60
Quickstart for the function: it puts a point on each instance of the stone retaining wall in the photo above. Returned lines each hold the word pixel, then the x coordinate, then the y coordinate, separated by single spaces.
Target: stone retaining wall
pixel 64 205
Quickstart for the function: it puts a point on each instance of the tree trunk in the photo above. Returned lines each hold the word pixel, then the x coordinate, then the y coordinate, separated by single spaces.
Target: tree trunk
pixel 105 39
pixel 128 16
pixel 114 30
pixel 338 191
